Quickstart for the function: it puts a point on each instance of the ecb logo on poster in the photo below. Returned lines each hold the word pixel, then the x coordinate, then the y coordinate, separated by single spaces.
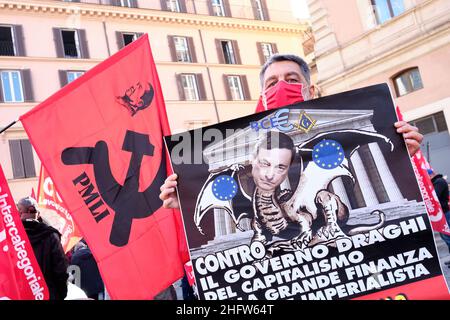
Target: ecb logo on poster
pixel 280 121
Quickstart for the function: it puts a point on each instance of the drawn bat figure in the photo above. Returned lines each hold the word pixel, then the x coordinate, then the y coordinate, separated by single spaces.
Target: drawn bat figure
pixel 289 214
pixel 219 191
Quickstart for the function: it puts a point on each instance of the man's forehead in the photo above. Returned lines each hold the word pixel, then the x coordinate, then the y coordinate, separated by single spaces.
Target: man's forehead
pixel 274 154
pixel 282 68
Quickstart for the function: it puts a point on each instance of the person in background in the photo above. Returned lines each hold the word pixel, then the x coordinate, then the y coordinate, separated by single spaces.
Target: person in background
pixel 91 281
pixel 167 294
pixel 46 243
pixel 188 292
pixel 442 192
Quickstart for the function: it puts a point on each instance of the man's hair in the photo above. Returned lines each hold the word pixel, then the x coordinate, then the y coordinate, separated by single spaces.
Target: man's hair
pixel 276 140
pixel 286 57
pixel 29 202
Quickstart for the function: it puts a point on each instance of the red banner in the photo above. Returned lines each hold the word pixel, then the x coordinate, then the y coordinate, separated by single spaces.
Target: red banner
pixel 189 273
pixel 420 166
pixel 55 212
pixel 429 289
pixel 20 275
pixel 100 139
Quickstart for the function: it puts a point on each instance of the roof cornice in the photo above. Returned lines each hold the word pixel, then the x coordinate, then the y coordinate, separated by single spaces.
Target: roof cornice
pixel 115 12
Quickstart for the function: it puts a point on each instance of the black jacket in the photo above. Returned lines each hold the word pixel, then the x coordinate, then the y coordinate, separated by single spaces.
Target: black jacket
pixel 91 282
pixel 46 243
pixel 441 188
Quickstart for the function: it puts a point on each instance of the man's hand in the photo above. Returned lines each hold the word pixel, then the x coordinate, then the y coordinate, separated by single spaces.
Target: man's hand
pixel 411 134
pixel 168 194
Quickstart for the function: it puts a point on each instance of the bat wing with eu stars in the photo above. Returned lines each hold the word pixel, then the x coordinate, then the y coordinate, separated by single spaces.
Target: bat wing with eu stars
pixel 325 157
pixel 223 190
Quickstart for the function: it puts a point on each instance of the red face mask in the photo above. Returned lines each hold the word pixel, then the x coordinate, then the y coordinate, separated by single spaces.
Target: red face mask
pixel 281 94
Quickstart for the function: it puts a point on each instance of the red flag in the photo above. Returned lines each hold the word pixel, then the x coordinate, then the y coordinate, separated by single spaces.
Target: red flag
pixel 20 275
pixel 260 107
pixel 55 212
pixel 100 139
pixel 428 289
pixel 420 166
pixel 189 272
pixel 33 194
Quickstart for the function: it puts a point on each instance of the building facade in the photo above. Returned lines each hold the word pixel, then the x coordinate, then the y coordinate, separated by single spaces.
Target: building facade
pixel 208 55
pixel 405 43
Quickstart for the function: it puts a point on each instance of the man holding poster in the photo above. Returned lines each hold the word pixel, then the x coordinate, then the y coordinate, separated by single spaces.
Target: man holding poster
pixel 285 79
pixel 348 176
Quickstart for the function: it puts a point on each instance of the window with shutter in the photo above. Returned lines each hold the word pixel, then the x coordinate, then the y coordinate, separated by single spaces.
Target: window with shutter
pixel 19 43
pixel 173 5
pixel 120 40
pixel 27 85
pixel 431 124
pixel 190 87
pixel 28 159
pixel 128 38
pixel 236 90
pixel 16 159
pixel 245 88
pixel 12 88
pixel 201 87
pixel 182 49
pixel 218 8
pixel 180 87
pixel 267 50
pixel 71 44
pixel 407 81
pixel 57 38
pixel 7 47
pixel 82 44
pixel 192 52
pixel 387 9
pixel 128 3
pixel 228 51
pixel 72 75
pixel 22 159
pixel 259 11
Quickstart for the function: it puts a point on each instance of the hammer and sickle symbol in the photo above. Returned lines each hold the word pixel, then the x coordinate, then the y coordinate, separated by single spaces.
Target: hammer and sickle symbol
pixel 126 200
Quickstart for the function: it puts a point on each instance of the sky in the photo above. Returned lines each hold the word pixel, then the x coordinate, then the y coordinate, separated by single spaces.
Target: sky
pixel 300 9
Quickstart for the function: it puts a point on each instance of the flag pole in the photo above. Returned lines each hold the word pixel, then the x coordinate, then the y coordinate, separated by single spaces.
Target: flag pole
pixel 8 126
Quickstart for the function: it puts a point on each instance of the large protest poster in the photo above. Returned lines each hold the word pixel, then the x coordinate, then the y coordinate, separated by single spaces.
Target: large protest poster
pixel 316 200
